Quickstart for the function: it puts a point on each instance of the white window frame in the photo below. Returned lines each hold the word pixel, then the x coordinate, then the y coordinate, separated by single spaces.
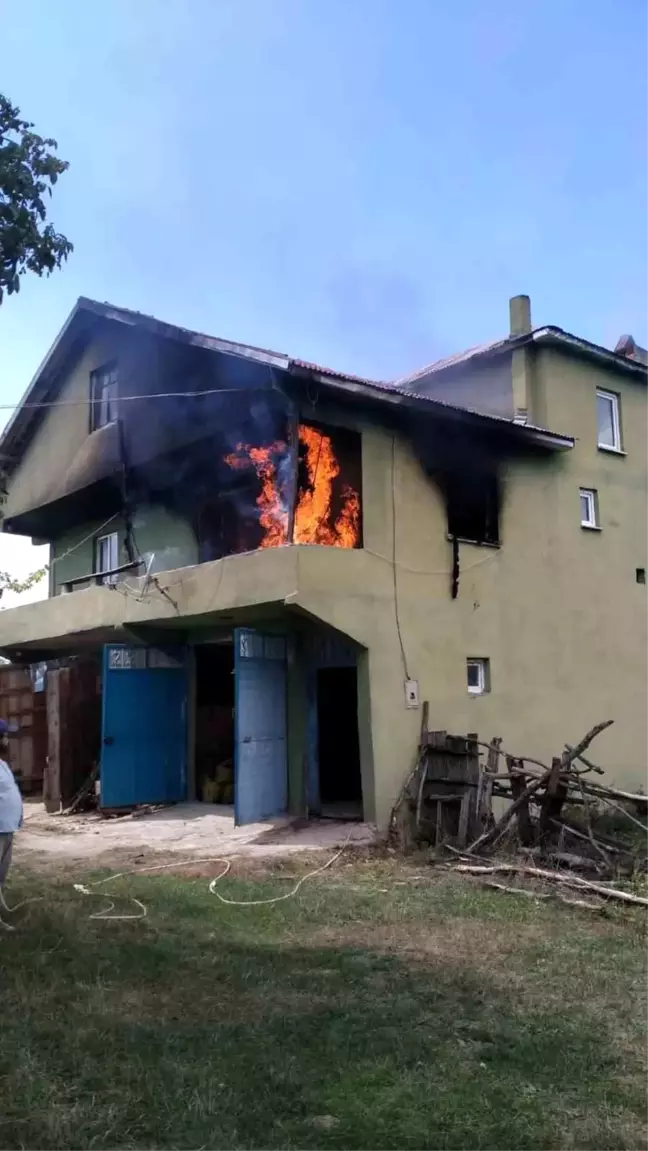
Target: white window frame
pixel 591 496
pixel 112 541
pixel 613 399
pixel 103 396
pixel 483 675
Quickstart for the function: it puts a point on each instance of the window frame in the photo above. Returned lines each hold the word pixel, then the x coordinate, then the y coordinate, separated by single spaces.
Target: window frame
pixel 614 400
pixel 113 538
pixel 591 495
pixel 483 674
pixel 101 378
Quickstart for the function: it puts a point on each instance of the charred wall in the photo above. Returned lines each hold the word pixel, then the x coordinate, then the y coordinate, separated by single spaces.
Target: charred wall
pixel 175 448
pixel 224 449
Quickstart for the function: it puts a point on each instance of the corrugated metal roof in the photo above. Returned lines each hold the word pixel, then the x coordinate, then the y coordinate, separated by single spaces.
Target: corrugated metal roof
pixel 459 358
pixel 21 425
pixel 310 367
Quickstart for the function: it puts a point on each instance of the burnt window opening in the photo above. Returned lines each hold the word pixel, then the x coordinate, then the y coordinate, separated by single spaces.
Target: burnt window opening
pixel 328 503
pixel 243 491
pixel 308 492
pixel 472 507
pixel 230 523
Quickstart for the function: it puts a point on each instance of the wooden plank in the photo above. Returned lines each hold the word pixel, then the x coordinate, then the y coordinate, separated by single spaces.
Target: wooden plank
pixel 554 797
pixel 438 839
pixel 464 815
pixel 18 706
pixel 425 717
pixel 485 801
pixel 518 787
pixel 51 779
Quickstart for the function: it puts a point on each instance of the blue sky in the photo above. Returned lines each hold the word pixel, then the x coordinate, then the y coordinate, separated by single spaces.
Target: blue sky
pixel 362 183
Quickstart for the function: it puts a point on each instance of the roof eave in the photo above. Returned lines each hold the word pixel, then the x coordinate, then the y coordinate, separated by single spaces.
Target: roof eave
pixel 24 416
pixel 384 394
pixel 184 335
pixel 614 360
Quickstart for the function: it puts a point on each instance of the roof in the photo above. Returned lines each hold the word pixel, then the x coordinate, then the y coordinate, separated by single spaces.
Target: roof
pixel 86 312
pixel 452 361
pixel 548 336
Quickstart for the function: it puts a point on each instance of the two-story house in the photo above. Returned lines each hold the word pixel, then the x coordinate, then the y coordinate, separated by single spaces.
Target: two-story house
pixel 278 563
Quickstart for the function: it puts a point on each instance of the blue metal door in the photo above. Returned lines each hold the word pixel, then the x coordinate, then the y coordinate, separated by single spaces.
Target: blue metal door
pixel 144 705
pixel 260 765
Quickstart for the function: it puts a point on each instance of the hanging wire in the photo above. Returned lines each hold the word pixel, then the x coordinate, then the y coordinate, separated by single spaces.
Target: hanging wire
pixel 129 399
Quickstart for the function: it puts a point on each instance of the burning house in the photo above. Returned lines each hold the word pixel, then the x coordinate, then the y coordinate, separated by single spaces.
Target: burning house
pixel 270 565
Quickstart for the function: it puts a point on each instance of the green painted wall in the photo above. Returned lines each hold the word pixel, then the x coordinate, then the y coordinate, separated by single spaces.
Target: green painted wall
pixel 165 541
pixel 72 555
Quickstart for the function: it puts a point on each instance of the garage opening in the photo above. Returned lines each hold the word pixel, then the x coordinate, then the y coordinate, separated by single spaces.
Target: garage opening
pixel 214 746
pixel 340 783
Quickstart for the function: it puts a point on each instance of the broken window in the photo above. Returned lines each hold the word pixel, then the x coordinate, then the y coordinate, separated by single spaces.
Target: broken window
pixel 472 504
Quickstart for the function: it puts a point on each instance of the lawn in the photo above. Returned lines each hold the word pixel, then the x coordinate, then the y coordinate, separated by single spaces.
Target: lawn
pixel 373 1010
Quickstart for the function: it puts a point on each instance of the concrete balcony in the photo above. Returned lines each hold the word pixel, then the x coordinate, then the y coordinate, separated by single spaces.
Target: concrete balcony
pixel 332 584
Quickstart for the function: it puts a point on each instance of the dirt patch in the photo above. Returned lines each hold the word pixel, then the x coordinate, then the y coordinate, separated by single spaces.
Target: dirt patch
pixel 451 939
pixel 190 830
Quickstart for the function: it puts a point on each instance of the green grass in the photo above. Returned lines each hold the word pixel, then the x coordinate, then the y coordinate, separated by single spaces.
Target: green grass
pixel 371 1011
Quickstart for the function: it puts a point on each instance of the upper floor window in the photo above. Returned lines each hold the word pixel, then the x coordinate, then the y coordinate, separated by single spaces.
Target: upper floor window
pixel 106 555
pixel 608 425
pixel 103 396
pixel 589 508
pixel 472 504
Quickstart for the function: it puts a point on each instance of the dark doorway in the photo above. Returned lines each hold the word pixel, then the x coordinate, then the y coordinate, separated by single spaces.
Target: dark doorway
pixel 338 743
pixel 214 747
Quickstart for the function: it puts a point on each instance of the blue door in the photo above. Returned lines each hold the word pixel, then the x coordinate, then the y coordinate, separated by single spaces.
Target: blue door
pixel 260 764
pixel 144 706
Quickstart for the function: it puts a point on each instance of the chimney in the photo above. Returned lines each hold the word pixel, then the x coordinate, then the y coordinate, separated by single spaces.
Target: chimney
pixel 626 346
pixel 520 315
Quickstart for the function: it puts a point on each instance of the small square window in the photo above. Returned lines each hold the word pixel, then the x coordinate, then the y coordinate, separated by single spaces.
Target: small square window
pixel 608 425
pixel 589 508
pixel 478 676
pixel 641 575
pixel 103 396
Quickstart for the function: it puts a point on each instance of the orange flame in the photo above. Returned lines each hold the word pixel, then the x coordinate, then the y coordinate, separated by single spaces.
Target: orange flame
pixel 273 514
pixel 313 510
pixel 313 507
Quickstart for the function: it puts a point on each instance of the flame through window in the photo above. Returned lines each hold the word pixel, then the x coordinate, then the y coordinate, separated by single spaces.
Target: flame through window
pixel 327 491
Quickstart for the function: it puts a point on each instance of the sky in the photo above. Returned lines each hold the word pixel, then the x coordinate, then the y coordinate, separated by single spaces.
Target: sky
pixel 361 183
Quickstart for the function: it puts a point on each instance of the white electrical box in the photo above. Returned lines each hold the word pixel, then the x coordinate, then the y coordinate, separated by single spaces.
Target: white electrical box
pixel 411 693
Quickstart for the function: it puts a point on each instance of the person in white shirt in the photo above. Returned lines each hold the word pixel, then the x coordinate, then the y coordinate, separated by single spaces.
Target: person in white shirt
pixel 11 806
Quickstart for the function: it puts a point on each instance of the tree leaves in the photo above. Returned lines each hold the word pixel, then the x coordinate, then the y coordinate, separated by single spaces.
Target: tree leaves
pixel 8 583
pixel 28 169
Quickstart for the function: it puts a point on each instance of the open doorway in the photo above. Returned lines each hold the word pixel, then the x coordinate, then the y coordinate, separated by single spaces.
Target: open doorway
pixel 214 746
pixel 340 784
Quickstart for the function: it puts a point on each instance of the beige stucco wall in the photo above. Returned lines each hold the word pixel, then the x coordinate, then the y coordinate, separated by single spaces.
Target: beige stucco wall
pixel 482 387
pixel 61 433
pixel 556 609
